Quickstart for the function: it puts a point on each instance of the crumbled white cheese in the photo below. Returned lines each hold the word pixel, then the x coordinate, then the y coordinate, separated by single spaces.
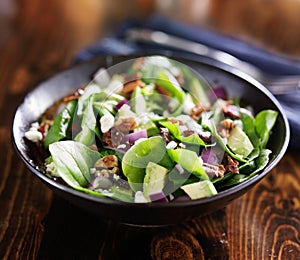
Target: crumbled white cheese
pixel 116 177
pixel 52 170
pixel 121 146
pixel 107 122
pixel 93 170
pixel 181 145
pixel 33 134
pixel 171 145
pixel 139 197
pixel 146 117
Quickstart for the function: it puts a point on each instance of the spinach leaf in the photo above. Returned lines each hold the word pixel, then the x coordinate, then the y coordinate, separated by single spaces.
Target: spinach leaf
pixel 191 139
pixel 61 127
pixel 248 126
pixel 194 86
pixel 73 161
pixel 136 159
pixel 189 161
pixel 264 121
pixel 260 162
pixel 96 103
pixel 209 124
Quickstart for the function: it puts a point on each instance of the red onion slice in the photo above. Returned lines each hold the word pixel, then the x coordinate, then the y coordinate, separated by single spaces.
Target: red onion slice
pixel 133 137
pixel 209 156
pixel 158 196
pixel 121 103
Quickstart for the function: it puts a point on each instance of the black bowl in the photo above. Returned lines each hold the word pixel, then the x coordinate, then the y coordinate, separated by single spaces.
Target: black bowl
pixel 148 214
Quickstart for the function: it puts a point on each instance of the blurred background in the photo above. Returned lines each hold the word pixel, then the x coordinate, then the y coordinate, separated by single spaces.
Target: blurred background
pixel 273 24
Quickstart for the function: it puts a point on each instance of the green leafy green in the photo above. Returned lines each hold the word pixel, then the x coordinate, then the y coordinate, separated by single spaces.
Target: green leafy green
pixel 73 161
pixel 174 130
pixel 264 122
pixel 189 161
pixel 61 127
pixel 209 124
pixel 260 163
pixel 136 159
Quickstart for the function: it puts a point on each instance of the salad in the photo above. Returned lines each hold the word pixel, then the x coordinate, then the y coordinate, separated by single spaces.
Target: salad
pixel 154 132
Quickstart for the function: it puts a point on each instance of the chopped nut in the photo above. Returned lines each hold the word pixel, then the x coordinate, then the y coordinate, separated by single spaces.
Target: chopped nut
pixel 109 161
pixel 115 170
pixel 131 85
pixel 231 165
pixel 197 111
pixel 165 134
pixel 231 110
pixel 214 171
pixel 174 120
pixel 162 90
pixel 224 127
pixel 113 137
pixel 126 124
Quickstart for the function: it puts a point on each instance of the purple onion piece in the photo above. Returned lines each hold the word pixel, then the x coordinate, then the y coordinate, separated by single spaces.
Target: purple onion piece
pixel 209 156
pixel 131 138
pixel 218 92
pixel 121 103
pixel 158 196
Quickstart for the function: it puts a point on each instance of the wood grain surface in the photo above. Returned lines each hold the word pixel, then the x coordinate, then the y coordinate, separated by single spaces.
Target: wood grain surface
pixel 35 224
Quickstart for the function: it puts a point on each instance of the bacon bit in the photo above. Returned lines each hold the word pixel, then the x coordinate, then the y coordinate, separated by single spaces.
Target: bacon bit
pixel 174 120
pixel 77 94
pixel 126 124
pixel 131 85
pixel 162 90
pixel 231 110
pixel 232 165
pixel 197 111
pixel 214 171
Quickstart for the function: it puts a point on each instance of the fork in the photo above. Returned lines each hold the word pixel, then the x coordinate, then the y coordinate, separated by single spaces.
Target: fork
pixel 278 85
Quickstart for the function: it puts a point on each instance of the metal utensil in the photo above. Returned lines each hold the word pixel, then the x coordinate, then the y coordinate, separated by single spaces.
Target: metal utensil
pixel 276 84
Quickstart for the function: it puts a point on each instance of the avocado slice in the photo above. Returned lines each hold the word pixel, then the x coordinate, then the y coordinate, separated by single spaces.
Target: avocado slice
pixel 201 189
pixel 239 142
pixel 155 178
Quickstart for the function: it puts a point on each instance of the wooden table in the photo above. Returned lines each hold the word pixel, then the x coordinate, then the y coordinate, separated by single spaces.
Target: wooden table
pixel 35 224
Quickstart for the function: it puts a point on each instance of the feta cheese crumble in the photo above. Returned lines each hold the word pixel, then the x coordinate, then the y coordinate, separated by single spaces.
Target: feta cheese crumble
pixel 33 134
